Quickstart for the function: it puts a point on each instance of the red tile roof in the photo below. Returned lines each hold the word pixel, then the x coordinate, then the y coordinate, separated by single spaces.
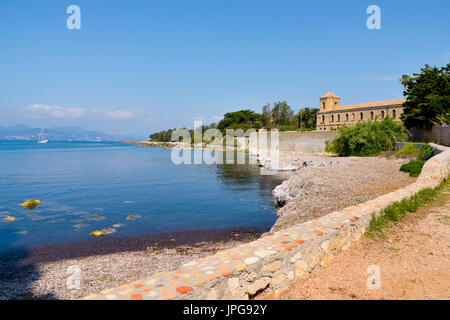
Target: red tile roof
pixel 329 95
pixel 372 104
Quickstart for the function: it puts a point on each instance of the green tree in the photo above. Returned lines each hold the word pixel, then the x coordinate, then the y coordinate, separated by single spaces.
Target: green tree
pixel 404 80
pixel 242 119
pixel 312 121
pixel 162 136
pixel 306 117
pixel 282 114
pixel 427 98
pixel 267 116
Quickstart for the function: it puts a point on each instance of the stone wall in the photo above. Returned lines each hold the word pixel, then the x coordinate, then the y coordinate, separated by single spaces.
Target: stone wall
pixel 308 142
pixel 276 260
pixel 438 134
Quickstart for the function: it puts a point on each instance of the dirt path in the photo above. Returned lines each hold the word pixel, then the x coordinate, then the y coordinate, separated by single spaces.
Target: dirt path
pixel 413 261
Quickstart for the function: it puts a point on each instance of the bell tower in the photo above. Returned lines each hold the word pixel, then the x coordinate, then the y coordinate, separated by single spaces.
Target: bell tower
pixel 329 102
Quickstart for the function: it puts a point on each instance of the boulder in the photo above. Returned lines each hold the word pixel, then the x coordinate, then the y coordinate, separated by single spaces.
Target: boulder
pixel 31 204
pixel 9 218
pixel 102 232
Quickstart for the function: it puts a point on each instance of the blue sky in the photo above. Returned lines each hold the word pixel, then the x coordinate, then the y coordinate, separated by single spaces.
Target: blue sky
pixel 140 66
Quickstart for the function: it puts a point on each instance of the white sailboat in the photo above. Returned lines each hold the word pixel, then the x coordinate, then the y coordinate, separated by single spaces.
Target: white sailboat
pixel 41 137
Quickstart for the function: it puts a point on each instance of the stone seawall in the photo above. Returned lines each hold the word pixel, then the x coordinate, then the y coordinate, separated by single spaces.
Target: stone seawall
pixel 308 142
pixel 275 260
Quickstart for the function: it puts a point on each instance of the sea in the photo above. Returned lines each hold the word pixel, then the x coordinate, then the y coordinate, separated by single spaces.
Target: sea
pixel 126 189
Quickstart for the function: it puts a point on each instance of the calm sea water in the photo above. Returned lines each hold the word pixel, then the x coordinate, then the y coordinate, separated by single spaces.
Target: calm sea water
pixel 76 181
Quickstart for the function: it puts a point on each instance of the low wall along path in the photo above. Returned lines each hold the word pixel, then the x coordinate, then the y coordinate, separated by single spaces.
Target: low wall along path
pixel 275 260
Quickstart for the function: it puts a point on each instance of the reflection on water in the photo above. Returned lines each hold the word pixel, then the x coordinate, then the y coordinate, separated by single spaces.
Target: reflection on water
pixel 88 186
pixel 246 175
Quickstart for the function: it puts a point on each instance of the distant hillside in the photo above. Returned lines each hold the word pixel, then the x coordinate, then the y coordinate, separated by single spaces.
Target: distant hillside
pixel 23 132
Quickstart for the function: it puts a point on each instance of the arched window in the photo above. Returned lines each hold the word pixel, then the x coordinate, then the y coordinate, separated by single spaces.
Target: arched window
pixel 332 118
pixel 394 113
pixel 346 117
pixel 323 105
pixel 323 118
pixel 371 115
pixel 382 114
pixel 339 118
pixel 362 116
pixel 353 117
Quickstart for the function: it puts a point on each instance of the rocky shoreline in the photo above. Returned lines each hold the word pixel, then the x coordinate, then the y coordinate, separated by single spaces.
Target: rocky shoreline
pixel 187 146
pixel 42 273
pixel 322 185
pixel 319 185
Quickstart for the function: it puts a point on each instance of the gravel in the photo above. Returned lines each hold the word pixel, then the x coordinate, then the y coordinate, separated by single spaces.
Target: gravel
pixel 322 185
pixel 107 262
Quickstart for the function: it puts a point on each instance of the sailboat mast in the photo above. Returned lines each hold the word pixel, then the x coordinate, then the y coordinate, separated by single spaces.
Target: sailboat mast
pixel 41 137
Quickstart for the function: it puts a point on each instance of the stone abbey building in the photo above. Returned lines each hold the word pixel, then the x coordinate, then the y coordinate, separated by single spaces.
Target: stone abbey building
pixel 332 115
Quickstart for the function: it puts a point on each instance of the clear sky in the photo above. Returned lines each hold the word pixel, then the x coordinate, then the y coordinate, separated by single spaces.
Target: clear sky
pixel 135 67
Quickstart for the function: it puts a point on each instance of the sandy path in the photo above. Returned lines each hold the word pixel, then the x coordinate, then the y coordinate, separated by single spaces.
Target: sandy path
pixel 413 260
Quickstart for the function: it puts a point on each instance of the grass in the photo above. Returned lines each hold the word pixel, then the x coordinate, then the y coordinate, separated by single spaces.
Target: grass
pixel 397 211
pixel 425 235
pixel 444 220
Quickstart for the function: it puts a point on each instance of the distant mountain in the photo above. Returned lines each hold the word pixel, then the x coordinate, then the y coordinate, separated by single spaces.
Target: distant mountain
pixel 23 132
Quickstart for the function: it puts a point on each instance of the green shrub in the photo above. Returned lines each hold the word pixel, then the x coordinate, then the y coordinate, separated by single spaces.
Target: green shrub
pixel 414 167
pixel 408 148
pixel 426 152
pixel 367 138
pixel 398 210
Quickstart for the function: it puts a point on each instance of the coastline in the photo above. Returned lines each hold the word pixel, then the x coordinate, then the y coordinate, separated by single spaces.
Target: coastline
pixel 187 146
pixel 312 190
